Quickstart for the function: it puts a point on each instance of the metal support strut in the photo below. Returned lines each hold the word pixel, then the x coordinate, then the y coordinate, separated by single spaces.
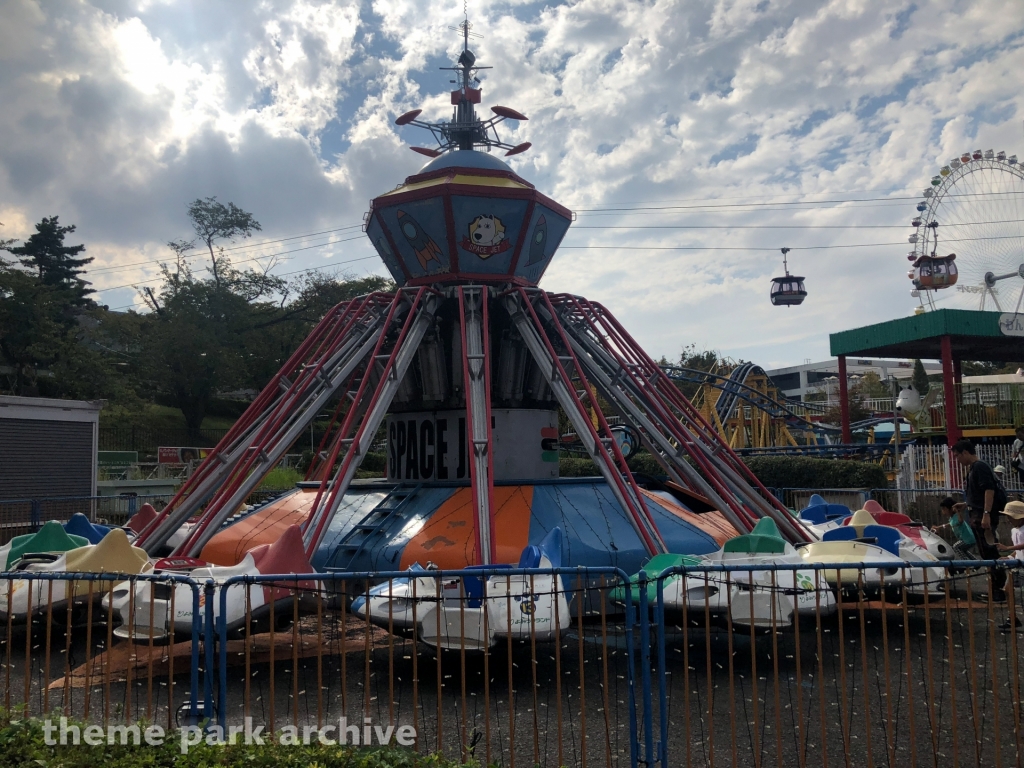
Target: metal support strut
pixel 473 301
pixel 272 423
pixel 388 369
pixel 603 451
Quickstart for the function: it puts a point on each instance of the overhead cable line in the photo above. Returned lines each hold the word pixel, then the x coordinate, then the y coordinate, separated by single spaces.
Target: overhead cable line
pixel 751 248
pixel 775 203
pixel 771 226
pixel 283 274
pixel 243 261
pixel 246 246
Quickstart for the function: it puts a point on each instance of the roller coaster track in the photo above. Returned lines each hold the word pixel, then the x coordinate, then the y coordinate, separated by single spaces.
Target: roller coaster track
pixel 735 389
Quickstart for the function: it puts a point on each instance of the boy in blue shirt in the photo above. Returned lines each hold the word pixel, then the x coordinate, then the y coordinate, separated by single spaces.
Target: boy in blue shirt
pixel 966 545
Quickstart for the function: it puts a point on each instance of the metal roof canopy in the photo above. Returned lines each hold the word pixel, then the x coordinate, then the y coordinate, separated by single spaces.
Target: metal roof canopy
pixel 973 335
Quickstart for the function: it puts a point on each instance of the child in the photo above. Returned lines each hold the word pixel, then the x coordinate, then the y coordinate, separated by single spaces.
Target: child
pixel 1017 454
pixel 1015 511
pixel 966 546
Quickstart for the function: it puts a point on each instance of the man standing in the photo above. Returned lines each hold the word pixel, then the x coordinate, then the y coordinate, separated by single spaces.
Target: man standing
pixel 985 499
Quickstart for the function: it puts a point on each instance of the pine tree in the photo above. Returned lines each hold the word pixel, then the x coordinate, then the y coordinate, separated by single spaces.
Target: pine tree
pixel 58 265
pixel 920 379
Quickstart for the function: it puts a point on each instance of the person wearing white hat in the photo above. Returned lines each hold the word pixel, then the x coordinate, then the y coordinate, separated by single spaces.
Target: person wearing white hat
pixel 1000 472
pixel 1015 511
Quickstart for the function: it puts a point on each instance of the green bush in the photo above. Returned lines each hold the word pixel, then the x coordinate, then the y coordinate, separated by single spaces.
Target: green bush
pixel 374 465
pixel 23 745
pixel 645 464
pixel 573 467
pixel 642 462
pixel 772 471
pixel 375 462
pixel 807 472
pixel 281 479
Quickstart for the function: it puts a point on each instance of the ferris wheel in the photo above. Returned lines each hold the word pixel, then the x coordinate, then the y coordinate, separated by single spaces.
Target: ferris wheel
pixel 969 235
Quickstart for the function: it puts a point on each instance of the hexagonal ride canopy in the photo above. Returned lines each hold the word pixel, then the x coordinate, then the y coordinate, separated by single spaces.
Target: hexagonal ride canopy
pixel 465 369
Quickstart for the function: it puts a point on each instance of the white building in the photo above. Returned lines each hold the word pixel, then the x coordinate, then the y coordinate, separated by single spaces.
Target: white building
pixel 799 380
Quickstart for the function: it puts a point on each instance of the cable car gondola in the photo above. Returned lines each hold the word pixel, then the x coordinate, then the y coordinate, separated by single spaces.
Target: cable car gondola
pixel 787 291
pixel 934 271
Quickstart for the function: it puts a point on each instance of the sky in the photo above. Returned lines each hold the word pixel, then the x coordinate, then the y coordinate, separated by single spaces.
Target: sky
pixel 693 139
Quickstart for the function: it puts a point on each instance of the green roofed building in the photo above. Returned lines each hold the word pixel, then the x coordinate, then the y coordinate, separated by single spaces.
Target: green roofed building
pixel 949 335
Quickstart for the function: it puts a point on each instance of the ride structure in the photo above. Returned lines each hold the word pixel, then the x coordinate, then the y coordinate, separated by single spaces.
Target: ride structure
pixel 974 200
pixel 742 402
pixel 465 367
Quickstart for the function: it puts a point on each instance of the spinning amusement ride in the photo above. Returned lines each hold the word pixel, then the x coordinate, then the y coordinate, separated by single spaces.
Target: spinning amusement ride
pixel 465 366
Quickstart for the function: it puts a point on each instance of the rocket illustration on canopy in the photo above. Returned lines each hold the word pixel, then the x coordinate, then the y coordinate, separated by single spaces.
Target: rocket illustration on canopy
pixel 538 241
pixel 425 248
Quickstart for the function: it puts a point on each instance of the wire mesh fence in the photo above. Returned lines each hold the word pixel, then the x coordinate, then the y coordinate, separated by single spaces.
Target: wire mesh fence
pixel 22 516
pixel 859 663
pixel 880 666
pixel 63 655
pixel 507 666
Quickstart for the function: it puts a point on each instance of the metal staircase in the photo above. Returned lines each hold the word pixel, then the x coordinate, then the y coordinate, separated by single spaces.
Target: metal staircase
pixel 368 531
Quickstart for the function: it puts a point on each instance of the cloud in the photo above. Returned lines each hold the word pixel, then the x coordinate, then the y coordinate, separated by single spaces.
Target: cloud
pixel 116 114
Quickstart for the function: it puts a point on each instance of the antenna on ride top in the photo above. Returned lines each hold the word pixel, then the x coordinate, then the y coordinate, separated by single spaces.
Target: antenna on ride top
pixel 466 131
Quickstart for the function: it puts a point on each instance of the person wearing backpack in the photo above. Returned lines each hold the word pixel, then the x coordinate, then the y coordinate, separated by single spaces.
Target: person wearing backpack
pixel 985 497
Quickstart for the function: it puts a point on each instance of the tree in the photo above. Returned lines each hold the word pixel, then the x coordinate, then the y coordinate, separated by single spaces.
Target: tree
pixel 201 337
pixel 871 387
pixel 920 379
pixel 58 265
pixel 318 292
pixel 212 222
pixel 46 344
pixel 707 360
pixel 31 329
pixel 975 368
pixel 868 387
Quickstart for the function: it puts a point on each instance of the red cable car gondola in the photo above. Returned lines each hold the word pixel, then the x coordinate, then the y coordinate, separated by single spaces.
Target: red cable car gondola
pixel 788 290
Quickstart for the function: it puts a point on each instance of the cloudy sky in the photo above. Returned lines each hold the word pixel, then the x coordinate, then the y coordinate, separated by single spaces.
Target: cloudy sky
pixel 693 138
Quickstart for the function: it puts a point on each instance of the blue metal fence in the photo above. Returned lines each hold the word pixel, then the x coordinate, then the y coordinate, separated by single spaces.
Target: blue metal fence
pixel 770 664
pixel 671 668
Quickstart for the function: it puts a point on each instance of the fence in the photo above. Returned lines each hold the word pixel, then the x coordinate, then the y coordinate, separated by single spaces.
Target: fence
pixel 930 466
pixel 920 504
pixel 20 516
pixel 995 406
pixel 877 664
pixel 146 440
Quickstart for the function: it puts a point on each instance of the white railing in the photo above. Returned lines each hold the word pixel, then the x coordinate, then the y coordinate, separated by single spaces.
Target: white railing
pixel 924 467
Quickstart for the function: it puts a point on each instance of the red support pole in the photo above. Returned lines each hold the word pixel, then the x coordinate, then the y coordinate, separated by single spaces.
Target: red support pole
pixel 953 432
pixel 844 401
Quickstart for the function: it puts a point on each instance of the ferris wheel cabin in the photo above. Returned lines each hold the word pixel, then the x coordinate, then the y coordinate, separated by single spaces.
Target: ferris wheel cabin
pixel 788 291
pixel 934 272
